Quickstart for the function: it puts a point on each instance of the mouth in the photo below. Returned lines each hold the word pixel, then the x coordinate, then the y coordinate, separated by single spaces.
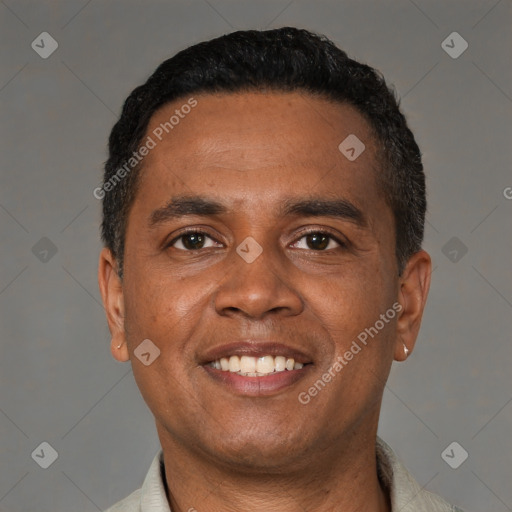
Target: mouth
pixel 248 366
pixel 256 369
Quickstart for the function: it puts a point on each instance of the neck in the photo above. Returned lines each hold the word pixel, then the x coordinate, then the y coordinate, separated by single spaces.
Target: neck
pixel 343 479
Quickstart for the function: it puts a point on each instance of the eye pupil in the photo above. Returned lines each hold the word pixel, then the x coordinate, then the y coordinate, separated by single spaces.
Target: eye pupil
pixel 317 241
pixel 193 240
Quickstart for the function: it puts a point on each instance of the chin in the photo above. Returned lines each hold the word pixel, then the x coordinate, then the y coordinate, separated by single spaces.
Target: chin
pixel 255 452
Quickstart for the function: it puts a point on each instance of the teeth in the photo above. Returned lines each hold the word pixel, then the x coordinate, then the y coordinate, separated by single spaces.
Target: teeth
pixel 256 366
pixel 280 363
pixel 247 364
pixel 265 364
pixel 234 364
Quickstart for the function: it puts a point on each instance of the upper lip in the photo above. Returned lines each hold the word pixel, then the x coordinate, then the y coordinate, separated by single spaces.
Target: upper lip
pixel 255 348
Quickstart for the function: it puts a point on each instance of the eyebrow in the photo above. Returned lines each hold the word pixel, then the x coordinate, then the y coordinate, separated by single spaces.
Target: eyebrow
pixel 181 206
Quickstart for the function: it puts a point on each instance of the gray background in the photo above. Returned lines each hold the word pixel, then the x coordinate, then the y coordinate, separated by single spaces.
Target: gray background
pixel 58 381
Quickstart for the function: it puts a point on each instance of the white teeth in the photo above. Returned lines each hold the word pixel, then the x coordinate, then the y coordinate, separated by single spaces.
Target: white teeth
pixel 234 364
pixel 249 366
pixel 280 363
pixel 265 364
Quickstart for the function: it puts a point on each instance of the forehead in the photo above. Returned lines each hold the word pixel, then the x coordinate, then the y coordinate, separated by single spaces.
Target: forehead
pixel 252 148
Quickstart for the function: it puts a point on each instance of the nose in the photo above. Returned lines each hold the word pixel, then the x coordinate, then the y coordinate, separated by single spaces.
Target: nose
pixel 257 288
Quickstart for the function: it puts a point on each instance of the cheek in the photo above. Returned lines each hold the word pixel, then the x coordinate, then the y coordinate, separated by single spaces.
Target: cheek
pixel 351 300
pixel 155 309
pixel 166 313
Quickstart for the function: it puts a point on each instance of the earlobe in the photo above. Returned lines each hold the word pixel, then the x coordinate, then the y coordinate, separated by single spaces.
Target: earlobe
pixel 402 351
pixel 119 350
pixel 111 289
pixel 412 294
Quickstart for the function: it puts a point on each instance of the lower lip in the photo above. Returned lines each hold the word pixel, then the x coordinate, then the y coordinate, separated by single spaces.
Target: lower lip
pixel 270 384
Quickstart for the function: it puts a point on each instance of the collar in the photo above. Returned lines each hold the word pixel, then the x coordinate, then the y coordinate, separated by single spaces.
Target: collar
pixel 405 493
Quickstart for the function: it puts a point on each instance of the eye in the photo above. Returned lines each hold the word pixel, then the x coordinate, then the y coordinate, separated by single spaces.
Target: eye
pixel 319 241
pixel 192 240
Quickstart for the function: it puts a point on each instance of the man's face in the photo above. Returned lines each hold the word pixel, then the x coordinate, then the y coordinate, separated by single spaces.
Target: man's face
pixel 200 297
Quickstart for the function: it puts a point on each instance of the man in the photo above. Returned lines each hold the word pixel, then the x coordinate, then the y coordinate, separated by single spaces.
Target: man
pixel 263 204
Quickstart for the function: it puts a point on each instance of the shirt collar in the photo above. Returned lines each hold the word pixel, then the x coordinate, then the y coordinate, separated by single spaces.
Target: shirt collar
pixel 153 497
pixel 405 493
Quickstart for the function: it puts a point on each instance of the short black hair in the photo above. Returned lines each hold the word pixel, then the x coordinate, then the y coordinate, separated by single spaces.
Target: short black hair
pixel 286 59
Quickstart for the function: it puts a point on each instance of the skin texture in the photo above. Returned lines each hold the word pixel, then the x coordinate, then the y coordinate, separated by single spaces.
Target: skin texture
pixel 225 451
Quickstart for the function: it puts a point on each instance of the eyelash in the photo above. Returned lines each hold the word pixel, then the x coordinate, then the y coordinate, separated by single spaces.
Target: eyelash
pixel 343 245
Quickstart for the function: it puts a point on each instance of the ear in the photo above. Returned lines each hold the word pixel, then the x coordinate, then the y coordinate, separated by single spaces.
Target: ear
pixel 412 296
pixel 111 288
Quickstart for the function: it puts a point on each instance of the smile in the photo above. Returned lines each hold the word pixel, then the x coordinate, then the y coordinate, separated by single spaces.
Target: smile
pixel 248 366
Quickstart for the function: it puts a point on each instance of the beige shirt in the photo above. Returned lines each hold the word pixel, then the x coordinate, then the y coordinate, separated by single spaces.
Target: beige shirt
pixel 406 494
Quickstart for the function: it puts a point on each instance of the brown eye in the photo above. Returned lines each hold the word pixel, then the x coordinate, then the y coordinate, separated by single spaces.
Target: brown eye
pixel 318 241
pixel 191 241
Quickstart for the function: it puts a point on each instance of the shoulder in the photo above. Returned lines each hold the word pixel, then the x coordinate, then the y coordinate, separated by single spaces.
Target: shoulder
pixel 151 497
pixel 129 504
pixel 406 494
